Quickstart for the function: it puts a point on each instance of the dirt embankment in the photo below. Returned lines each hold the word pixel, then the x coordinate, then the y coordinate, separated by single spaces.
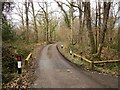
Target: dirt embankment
pixel 26 78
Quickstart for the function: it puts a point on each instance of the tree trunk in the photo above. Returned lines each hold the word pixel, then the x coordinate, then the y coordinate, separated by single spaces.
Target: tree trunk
pixel 35 24
pixel 105 19
pixel 119 42
pixel 23 22
pixel 99 23
pixel 45 11
pixel 119 35
pixel 1 26
pixel 89 27
pixel 80 22
pixel 71 20
pixel 47 22
pixel 27 20
pixel 96 34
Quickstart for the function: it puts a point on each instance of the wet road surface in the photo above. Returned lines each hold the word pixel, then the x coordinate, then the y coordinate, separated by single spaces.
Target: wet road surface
pixel 56 72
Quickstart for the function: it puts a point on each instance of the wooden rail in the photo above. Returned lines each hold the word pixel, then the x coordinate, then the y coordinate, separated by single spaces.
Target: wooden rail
pixel 92 63
pixel 28 57
pixel 106 61
pixel 95 62
pixel 82 58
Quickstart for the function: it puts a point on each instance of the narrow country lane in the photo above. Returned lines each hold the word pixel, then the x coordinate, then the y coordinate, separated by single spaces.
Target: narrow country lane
pixel 56 72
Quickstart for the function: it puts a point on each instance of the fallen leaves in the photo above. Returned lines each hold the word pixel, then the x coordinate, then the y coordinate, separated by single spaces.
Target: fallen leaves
pixel 23 80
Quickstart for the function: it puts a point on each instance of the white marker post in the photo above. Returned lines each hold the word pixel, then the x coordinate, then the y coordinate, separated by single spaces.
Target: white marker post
pixel 70 52
pixel 61 46
pixel 19 64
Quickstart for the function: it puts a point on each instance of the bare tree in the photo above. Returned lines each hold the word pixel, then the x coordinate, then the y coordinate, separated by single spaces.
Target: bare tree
pixel 45 11
pixel 71 20
pixel 89 27
pixel 104 28
pixel 96 23
pixel 53 24
pixel 119 34
pixel 99 19
pixel 80 24
pixel 27 20
pixel 66 16
pixel 35 24
pixel 20 13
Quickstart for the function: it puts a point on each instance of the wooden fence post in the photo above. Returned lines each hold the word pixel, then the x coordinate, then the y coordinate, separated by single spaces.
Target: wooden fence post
pixel 26 60
pixel 92 65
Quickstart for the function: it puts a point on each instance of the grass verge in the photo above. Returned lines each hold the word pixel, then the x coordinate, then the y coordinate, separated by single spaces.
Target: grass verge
pixel 105 68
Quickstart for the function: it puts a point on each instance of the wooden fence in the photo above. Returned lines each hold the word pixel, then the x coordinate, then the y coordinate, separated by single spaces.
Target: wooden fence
pixel 94 62
pixel 28 57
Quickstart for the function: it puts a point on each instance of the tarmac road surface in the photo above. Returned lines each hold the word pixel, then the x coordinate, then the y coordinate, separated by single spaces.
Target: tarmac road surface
pixel 55 71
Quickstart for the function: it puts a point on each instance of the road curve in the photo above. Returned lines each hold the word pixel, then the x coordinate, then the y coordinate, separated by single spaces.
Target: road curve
pixel 55 72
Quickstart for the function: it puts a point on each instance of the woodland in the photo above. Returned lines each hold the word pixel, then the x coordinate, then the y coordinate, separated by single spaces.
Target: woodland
pixel 89 28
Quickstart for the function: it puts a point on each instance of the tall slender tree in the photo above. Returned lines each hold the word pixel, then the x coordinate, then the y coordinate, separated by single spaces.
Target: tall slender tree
pixel 27 20
pixel 46 17
pixel 89 27
pixel 35 24
pixel 104 28
pixel 71 20
pixel 80 20
pixel 119 32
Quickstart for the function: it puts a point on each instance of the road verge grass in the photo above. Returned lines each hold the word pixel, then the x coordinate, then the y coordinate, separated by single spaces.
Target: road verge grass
pixel 105 68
